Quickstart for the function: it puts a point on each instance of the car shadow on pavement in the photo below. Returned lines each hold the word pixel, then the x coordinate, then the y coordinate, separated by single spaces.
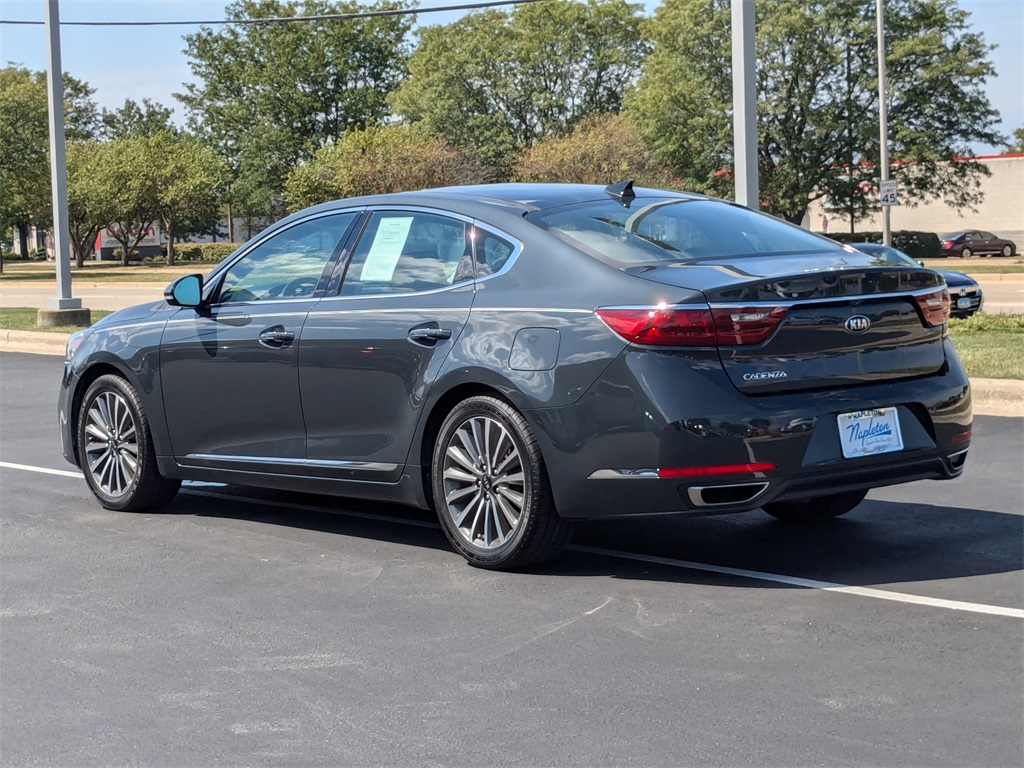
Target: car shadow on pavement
pixel 880 542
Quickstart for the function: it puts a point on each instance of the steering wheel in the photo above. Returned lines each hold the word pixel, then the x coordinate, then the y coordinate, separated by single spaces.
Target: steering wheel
pixel 300 286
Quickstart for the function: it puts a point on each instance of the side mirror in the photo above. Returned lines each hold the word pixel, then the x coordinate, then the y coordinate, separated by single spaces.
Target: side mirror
pixel 186 291
pixel 920 263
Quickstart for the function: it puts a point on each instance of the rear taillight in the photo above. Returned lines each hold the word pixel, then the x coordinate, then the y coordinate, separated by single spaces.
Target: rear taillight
pixel 947 244
pixel 739 326
pixel 666 326
pixel 934 307
pixel 661 326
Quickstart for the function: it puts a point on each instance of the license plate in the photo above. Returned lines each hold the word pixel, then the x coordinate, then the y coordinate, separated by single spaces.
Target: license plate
pixel 865 433
pixel 963 303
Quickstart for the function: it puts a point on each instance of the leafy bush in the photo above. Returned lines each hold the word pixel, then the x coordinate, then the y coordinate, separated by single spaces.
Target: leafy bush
pixel 917 245
pixel 213 252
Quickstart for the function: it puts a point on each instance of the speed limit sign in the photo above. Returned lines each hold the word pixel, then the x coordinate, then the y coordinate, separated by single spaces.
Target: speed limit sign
pixel 887 192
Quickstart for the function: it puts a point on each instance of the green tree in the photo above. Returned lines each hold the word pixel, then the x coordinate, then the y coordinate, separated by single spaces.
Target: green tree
pixel 600 150
pixel 133 119
pixel 25 197
pixel 89 207
pixel 123 175
pixel 817 106
pixel 1016 140
pixel 268 96
pixel 495 82
pixel 186 180
pixel 374 161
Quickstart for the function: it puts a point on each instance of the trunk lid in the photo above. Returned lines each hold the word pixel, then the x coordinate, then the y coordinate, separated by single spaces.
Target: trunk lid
pixel 844 319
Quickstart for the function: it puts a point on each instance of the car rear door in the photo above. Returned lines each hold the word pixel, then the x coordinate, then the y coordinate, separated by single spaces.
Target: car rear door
pixel 370 353
pixel 229 369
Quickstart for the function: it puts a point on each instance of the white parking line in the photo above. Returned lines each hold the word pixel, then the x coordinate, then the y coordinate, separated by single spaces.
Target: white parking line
pixel 724 570
pixel 41 470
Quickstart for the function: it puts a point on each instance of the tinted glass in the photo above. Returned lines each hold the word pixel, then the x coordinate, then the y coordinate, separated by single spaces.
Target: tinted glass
pixel 987 236
pixel 492 252
pixel 404 252
pixel 885 255
pixel 676 231
pixel 288 265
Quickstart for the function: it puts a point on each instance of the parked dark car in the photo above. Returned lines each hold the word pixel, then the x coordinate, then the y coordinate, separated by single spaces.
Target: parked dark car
pixel 519 357
pixel 975 242
pixel 965 296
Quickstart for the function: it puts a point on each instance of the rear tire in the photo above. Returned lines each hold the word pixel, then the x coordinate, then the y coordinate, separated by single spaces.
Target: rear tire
pixel 812 510
pixel 966 253
pixel 115 449
pixel 491 488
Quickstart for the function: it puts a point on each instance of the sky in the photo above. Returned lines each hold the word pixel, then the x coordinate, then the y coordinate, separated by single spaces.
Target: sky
pixel 149 62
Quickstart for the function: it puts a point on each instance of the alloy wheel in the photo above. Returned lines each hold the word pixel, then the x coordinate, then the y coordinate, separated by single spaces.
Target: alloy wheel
pixel 483 482
pixel 111 444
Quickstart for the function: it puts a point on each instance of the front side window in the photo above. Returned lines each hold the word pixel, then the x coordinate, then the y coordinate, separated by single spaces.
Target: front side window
pixel 288 265
pixel 406 252
pixel 673 230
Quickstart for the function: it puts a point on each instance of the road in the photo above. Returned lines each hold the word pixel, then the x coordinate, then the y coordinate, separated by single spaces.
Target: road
pixel 1003 293
pixel 242 627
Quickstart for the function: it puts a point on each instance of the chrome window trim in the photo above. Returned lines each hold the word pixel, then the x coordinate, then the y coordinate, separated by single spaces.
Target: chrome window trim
pixel 517 248
pixel 370 466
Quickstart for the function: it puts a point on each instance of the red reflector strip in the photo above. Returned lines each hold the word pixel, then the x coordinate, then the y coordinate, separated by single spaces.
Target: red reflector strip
pixel 962 437
pixel 721 469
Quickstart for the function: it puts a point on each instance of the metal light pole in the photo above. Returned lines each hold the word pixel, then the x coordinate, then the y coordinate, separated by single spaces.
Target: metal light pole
pixel 63 310
pixel 744 104
pixel 883 120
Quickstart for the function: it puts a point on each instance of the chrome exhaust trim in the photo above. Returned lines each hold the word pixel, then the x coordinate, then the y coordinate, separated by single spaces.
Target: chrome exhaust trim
pixel 734 493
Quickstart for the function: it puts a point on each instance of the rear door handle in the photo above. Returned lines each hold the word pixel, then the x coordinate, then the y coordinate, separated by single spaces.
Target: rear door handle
pixel 276 336
pixel 428 334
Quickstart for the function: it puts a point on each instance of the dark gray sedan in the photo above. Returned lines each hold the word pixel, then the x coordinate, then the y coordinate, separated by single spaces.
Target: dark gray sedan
pixel 518 357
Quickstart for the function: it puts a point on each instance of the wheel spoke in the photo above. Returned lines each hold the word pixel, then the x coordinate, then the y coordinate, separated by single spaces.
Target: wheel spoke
pixel 466 438
pixel 461 458
pixel 111 444
pixel 459 493
pixel 514 496
pixel 511 515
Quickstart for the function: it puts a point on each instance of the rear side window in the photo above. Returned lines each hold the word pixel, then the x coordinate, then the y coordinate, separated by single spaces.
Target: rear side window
pixel 492 252
pixel 406 252
pixel 672 230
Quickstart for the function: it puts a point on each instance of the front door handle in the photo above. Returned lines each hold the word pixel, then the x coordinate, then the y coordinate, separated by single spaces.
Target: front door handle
pixel 276 336
pixel 428 334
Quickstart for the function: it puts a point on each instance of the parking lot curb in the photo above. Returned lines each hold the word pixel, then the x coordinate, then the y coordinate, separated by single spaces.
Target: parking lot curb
pixel 991 397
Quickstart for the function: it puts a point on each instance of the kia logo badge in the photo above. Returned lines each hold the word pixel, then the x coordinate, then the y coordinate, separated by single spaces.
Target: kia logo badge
pixel 858 324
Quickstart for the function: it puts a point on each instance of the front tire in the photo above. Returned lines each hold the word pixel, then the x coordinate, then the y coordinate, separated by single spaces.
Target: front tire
pixel 1007 251
pixel 491 488
pixel 816 509
pixel 115 449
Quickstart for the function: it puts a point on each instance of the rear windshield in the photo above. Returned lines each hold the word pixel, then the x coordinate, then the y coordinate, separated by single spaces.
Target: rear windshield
pixel 673 230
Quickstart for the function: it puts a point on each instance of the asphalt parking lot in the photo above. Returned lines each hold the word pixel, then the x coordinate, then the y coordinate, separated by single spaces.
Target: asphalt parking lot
pixel 243 627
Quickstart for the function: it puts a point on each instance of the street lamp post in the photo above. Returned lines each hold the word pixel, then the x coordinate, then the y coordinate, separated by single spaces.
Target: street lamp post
pixel 62 310
pixel 883 121
pixel 744 104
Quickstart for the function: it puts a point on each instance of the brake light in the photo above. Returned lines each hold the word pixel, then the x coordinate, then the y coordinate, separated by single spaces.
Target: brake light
pixel 685 327
pixel 934 307
pixel 661 326
pixel 947 244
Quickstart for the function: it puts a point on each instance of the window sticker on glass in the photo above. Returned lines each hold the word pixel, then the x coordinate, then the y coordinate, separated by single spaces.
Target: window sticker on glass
pixel 386 248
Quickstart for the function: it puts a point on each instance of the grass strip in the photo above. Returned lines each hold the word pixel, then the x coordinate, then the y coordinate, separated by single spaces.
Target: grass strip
pixel 990 346
pixel 24 319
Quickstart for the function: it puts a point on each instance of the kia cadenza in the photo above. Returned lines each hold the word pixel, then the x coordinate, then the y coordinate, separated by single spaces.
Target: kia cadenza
pixel 519 357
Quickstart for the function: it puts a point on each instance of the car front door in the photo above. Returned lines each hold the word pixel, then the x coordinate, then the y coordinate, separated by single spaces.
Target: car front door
pixel 229 369
pixel 370 354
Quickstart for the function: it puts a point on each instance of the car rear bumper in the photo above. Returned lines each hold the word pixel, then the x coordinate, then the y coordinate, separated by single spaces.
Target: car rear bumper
pixel 603 453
